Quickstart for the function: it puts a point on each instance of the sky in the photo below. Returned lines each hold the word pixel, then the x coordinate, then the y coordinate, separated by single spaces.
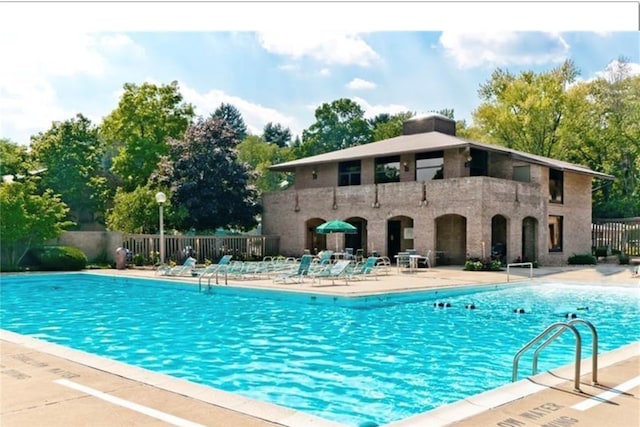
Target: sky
pixel 277 62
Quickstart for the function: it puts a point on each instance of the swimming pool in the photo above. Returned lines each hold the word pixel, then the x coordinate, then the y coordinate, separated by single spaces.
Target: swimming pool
pixel 380 358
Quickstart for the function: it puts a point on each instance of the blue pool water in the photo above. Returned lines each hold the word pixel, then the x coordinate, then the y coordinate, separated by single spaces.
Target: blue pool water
pixel 378 359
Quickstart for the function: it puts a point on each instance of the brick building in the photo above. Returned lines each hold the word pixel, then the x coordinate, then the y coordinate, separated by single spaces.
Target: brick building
pixel 430 190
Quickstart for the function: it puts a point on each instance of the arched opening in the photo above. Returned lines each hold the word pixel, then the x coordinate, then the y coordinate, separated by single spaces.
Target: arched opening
pixel 399 235
pixel 358 240
pixel 451 239
pixel 315 242
pixel 499 238
pixel 529 238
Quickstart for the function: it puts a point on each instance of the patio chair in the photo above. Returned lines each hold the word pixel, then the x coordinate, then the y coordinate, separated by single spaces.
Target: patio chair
pixel 331 272
pixel 363 270
pixel 403 260
pixel 180 270
pixel 296 276
pixel 359 255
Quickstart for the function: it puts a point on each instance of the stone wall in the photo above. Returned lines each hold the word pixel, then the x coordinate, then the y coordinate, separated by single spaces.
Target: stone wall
pixel 96 245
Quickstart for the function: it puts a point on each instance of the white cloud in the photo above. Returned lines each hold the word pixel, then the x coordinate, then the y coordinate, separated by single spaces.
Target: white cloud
pixel 360 84
pixel 325 72
pixel 616 68
pixel 504 48
pixel 372 110
pixel 329 48
pixel 255 116
pixel 28 100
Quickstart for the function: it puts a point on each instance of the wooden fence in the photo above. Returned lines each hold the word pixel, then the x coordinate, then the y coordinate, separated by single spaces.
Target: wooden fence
pixel 619 235
pixel 145 248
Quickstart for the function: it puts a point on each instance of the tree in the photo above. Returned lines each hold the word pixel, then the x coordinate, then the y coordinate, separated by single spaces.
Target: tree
pixel 138 129
pixel 276 134
pixel 232 116
pixel 603 132
pixel 72 155
pixel 27 219
pixel 207 179
pixel 387 126
pixel 14 159
pixel 137 211
pixel 525 112
pixel 340 124
pixel 259 155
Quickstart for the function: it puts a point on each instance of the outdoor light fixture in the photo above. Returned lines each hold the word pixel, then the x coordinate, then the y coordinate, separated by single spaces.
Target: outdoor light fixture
pixel 161 198
pixel 314 174
pixel 406 166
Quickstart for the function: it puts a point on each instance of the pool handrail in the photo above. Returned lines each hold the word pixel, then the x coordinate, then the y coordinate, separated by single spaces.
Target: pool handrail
pixel 594 348
pixel 564 326
pixel 515 264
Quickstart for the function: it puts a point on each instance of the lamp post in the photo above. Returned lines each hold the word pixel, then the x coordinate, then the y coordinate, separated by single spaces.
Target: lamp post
pixel 161 198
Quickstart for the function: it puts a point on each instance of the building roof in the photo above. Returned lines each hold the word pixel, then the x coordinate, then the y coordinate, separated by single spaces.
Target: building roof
pixel 424 142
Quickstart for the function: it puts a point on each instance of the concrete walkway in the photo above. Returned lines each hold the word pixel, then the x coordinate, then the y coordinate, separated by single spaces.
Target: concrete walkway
pixel 43 384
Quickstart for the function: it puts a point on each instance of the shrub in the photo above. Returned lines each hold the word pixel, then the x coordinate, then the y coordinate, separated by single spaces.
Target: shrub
pixel 601 251
pixel 581 259
pixel 59 258
pixel 476 264
pixel 623 258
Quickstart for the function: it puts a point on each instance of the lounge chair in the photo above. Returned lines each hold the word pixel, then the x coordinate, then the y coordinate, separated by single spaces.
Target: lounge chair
pixel 363 270
pixel 331 272
pixel 180 270
pixel 297 276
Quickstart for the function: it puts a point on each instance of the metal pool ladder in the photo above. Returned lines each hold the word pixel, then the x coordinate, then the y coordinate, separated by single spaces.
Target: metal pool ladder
pixel 560 328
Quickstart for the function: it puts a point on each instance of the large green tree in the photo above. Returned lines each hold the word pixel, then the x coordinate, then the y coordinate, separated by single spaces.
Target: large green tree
pixel 14 159
pixel 233 117
pixel 138 212
pixel 525 112
pixel 603 132
pixel 27 219
pixel 259 155
pixel 72 155
pixel 137 131
pixel 275 133
pixel 339 124
pixel 208 181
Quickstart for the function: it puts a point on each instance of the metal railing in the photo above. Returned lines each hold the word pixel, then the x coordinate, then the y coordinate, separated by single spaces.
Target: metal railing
pixel 560 328
pixel 521 264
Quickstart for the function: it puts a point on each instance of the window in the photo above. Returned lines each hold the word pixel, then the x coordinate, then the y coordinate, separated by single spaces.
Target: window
pixel 522 173
pixel 388 169
pixel 555 233
pixel 556 178
pixel 349 173
pixel 429 166
pixel 479 165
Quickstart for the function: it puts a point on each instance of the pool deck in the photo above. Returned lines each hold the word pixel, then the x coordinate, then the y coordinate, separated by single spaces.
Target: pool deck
pixel 44 384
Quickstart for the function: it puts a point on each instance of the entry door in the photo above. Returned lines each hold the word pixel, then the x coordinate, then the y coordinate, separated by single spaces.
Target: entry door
pixel 394 229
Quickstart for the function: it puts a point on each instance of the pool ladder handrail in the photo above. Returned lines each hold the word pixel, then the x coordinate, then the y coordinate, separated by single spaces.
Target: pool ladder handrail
pixel 210 276
pixel 562 327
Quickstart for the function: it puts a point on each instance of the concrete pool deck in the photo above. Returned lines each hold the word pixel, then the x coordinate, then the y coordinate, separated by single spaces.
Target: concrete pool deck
pixel 44 384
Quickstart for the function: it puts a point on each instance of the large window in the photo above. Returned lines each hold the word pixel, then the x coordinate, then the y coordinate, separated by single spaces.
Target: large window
pixel 479 164
pixel 429 166
pixel 349 173
pixel 555 233
pixel 387 169
pixel 556 178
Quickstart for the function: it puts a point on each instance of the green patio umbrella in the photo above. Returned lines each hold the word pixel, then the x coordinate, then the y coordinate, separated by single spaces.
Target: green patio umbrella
pixel 336 226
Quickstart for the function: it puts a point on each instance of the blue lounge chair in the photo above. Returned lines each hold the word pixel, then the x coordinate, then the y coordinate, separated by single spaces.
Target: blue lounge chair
pixel 331 272
pixel 363 270
pixel 180 270
pixel 297 276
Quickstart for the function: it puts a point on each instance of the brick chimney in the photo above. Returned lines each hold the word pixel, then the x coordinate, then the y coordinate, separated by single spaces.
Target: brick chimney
pixel 429 123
